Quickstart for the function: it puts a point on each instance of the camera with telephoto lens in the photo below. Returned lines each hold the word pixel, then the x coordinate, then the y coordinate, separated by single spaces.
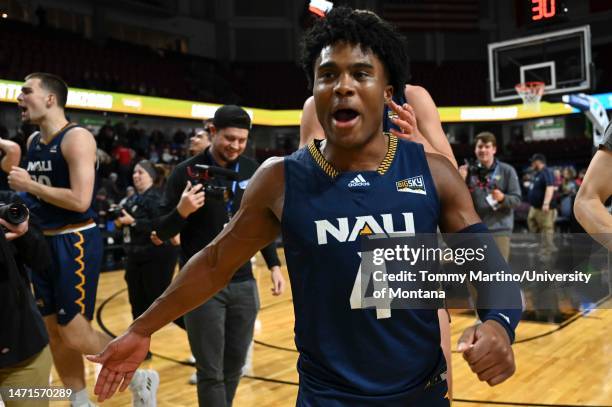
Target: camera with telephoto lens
pixel 212 179
pixel 14 213
pixel 475 168
pixel 114 213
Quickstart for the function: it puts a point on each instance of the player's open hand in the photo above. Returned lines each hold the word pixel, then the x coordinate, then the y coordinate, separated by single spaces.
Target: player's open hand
pixel 404 118
pixel 19 180
pixel 486 347
pixel 119 360
pixel 192 199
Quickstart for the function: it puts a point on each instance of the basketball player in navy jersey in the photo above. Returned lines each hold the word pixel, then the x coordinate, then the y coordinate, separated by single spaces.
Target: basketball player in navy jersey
pixel 418 121
pixel 58 183
pixel 320 198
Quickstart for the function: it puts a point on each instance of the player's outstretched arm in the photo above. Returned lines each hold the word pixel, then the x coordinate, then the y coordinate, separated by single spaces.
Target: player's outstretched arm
pixel 254 226
pixel 79 150
pixel 486 347
pixel 310 128
pixel 594 191
pixel 428 120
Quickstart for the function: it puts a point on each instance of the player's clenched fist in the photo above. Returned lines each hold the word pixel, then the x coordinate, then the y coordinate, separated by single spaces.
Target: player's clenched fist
pixel 487 349
pixel 19 179
pixel 192 199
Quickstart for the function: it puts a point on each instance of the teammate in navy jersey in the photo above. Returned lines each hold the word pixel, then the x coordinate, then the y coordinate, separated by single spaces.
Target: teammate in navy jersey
pixel 58 185
pixel 322 197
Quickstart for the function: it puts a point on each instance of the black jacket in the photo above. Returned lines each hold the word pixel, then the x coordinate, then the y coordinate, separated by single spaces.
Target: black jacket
pixel 202 226
pixel 144 208
pixel 23 332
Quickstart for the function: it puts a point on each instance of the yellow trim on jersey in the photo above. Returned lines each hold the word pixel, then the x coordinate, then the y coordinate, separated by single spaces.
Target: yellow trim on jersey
pixel 79 272
pixel 388 160
pixel 327 168
pixel 319 159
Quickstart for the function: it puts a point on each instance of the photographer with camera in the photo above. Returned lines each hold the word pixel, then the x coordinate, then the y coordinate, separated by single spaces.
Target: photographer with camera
pixel 25 358
pixel 202 194
pixel 149 268
pixel 495 190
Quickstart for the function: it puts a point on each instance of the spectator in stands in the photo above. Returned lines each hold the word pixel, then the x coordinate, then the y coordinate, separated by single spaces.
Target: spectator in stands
pixel 167 157
pixel 199 141
pixel 106 138
pixel 558 177
pixel 580 177
pixel 495 190
pixel 112 189
pixel 568 185
pixel 123 155
pixel 541 217
pixel 129 191
pixel 105 161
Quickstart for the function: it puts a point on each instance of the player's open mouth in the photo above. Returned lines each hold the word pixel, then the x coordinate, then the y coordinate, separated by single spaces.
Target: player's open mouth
pixel 23 110
pixel 345 117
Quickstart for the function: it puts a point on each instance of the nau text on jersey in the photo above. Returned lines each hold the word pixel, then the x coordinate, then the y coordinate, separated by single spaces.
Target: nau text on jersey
pixel 347 230
pixel 40 166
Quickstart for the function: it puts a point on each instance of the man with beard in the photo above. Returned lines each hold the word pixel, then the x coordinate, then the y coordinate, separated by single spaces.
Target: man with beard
pixel 220 330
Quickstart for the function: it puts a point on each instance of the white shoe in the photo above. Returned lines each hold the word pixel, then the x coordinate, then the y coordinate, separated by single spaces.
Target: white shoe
pixel 190 359
pixel 194 378
pixel 247 369
pixel 144 386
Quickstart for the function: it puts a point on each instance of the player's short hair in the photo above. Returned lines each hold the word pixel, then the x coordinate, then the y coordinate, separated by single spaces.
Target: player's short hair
pixel 486 137
pixel 363 28
pixel 54 84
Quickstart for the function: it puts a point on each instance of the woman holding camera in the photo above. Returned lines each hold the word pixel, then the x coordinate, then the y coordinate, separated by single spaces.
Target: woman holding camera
pixel 149 268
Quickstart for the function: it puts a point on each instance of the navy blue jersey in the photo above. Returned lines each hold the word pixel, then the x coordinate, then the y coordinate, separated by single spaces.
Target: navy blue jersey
pixel 360 352
pixel 46 164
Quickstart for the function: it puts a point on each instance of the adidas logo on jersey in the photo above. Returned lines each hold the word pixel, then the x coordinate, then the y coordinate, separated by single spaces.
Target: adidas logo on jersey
pixel 415 185
pixel 358 181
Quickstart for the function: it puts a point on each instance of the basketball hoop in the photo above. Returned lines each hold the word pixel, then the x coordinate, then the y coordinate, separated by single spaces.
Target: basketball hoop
pixel 531 93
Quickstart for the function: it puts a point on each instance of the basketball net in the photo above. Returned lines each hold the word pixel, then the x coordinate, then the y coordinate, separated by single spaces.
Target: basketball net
pixel 531 94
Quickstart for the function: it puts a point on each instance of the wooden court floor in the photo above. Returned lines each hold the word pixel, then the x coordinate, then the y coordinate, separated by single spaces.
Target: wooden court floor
pixel 557 365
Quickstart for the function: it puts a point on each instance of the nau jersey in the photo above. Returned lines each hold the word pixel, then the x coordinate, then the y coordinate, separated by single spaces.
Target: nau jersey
pixel 46 164
pixel 356 351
